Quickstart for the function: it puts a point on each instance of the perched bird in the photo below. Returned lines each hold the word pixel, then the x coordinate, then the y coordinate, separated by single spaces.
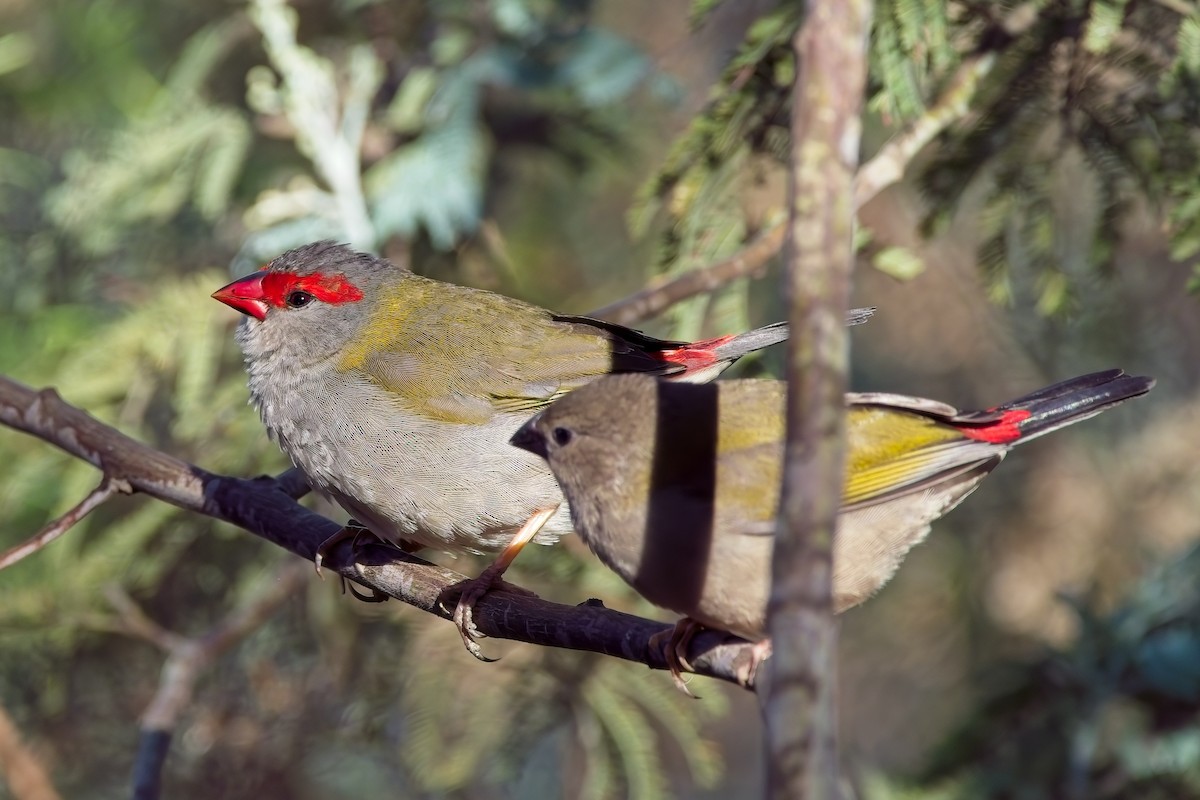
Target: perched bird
pixel 397 394
pixel 676 487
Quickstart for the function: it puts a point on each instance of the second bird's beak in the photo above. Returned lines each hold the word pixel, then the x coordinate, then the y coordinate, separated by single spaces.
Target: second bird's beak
pixel 528 438
pixel 245 295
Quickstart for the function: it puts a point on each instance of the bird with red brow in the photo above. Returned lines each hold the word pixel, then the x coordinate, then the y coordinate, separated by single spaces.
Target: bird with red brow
pixel 397 396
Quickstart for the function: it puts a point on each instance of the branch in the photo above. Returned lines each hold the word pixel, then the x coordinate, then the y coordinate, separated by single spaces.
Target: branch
pixel 24 771
pixel 58 527
pixel 662 293
pixel 188 658
pixel 801 717
pixel 263 507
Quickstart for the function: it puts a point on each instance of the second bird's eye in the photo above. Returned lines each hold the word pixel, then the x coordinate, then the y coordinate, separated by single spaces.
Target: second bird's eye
pixel 299 299
pixel 562 436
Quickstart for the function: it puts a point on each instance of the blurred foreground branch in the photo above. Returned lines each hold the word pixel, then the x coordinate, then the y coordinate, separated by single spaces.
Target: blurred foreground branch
pixel 188 658
pixel 264 507
pixel 22 769
pixel 826 125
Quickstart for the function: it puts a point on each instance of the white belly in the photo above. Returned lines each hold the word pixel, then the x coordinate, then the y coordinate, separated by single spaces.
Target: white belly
pixel 453 487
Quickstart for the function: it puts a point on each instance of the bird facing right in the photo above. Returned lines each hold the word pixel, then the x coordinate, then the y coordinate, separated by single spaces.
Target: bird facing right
pixel 676 486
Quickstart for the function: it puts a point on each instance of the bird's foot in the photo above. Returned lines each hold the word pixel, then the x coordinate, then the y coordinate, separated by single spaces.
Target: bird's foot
pixel 472 591
pixel 674 644
pixel 375 596
pixel 760 651
pixel 352 531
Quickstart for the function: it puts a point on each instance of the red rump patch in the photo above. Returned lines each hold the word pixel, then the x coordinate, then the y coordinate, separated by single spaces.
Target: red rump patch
pixel 1002 431
pixel 696 355
pixel 332 289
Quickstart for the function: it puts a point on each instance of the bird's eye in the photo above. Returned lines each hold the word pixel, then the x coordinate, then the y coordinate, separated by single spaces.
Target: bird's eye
pixel 298 299
pixel 562 436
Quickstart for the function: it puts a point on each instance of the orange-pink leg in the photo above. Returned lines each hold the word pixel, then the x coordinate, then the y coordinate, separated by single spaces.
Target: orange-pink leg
pixel 759 652
pixel 491 578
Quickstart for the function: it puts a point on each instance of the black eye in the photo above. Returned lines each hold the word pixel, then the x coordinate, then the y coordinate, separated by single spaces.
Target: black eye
pixel 299 299
pixel 562 436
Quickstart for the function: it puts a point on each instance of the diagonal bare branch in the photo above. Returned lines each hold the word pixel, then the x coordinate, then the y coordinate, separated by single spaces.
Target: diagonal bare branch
pixel 662 293
pixel 132 621
pixel 107 488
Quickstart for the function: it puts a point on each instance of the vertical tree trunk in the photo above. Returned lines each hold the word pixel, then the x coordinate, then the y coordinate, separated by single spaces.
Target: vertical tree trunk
pixel 800 687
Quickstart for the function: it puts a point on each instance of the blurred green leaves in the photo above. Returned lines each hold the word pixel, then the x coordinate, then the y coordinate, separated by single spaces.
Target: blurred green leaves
pixel 1100 91
pixel 16 50
pixel 176 149
pixel 432 179
pixel 435 181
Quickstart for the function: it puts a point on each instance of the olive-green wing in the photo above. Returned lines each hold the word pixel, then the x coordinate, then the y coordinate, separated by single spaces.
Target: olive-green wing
pixel 897 444
pixel 462 355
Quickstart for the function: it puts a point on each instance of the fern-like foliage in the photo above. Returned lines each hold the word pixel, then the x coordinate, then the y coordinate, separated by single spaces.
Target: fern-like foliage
pixel 700 187
pixel 440 140
pixel 161 373
pixel 910 50
pixel 1089 113
pixel 180 150
pixel 539 722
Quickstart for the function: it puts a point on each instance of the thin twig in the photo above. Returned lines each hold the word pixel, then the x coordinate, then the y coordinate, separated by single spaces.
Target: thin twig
pixel 891 162
pixel 132 621
pixel 23 770
pixel 188 657
pixel 661 294
pixel 262 507
pixel 58 527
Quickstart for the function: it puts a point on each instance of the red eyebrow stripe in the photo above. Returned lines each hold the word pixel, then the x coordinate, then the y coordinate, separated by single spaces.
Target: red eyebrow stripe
pixel 332 289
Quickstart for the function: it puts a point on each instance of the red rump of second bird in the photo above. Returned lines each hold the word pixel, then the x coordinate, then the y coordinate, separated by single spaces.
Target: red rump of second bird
pixel 1046 409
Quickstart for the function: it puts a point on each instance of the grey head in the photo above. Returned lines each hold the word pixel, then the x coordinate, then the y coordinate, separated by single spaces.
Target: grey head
pixel 307 304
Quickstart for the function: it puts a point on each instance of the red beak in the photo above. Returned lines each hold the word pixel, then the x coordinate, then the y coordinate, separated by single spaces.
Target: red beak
pixel 245 295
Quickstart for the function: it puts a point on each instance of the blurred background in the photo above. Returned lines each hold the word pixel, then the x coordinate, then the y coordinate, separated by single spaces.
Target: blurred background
pixel 1045 641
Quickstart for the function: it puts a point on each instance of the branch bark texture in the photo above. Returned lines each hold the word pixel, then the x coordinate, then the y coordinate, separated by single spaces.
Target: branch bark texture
pixel 800 712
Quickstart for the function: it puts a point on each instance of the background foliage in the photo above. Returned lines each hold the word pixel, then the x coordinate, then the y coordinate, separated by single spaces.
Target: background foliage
pixel 565 152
